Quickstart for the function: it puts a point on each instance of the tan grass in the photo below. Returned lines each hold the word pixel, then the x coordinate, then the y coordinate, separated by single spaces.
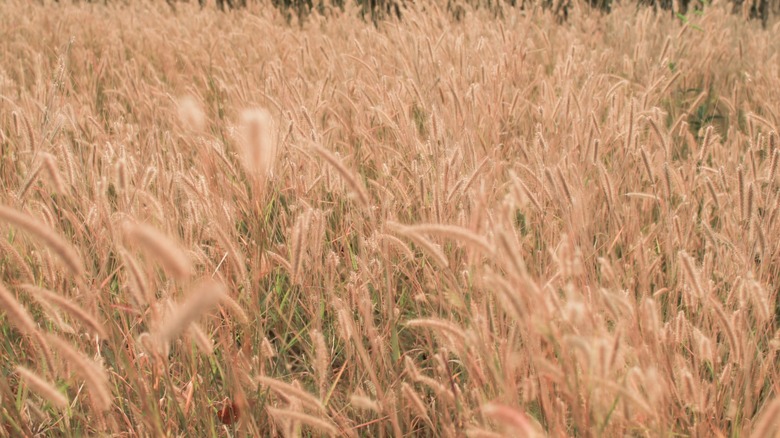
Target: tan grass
pixel 15 312
pixel 349 177
pixel 93 373
pixel 138 285
pixel 13 254
pixel 29 182
pixel 200 338
pixel 314 422
pixel 258 147
pixel 42 387
pixel 235 309
pixel 454 232
pixel 64 250
pixel 511 418
pixel 431 249
pixel 50 164
pixel 769 421
pixel 287 390
pixel 201 299
pixel 160 247
pixel 191 114
pixel 68 306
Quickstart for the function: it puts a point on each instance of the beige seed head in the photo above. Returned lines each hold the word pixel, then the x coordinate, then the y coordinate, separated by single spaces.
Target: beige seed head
pixel 258 143
pixel 42 387
pixel 158 245
pixel 364 403
pixel 511 418
pixel 93 373
pixel 68 306
pixel 291 391
pixel 64 250
pixel 350 178
pixel 191 114
pixel 769 420
pixel 15 312
pixel 207 295
pixel 49 162
pixel 31 179
pixel 200 338
pixel 323 426
pixel 414 401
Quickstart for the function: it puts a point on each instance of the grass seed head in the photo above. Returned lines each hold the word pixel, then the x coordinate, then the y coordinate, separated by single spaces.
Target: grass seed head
pixel 258 142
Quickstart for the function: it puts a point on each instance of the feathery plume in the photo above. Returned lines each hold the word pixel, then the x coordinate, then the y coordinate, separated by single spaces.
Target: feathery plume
pixel 309 420
pixel 31 178
pixel 72 309
pixel 349 177
pixel 15 312
pixel 157 244
pixel 769 421
pixel 49 162
pixel 92 373
pixel 452 231
pixel 201 339
pixel 258 142
pixel 511 418
pixel 191 114
pixel 207 295
pixel 691 273
pixel 14 255
pixel 42 387
pixel 287 390
pixel 430 248
pixel 138 287
pixel 64 251
pixel 235 309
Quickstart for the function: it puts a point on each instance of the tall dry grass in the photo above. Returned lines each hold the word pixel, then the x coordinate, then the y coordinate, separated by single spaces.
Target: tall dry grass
pixel 489 227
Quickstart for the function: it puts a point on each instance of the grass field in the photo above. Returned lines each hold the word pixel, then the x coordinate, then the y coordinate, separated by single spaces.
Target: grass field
pixel 225 224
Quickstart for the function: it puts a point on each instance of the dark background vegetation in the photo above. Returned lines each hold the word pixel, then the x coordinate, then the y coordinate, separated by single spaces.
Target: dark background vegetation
pixel 761 10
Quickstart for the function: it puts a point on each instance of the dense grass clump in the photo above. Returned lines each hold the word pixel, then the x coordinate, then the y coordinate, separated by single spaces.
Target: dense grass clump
pixel 219 224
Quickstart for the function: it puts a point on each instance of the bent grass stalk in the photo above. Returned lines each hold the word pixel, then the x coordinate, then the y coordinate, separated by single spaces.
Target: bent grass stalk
pixel 161 247
pixel 45 389
pixel 57 244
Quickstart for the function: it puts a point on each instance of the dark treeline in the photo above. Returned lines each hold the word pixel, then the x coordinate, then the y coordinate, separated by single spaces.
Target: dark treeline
pixel 375 10
pixel 378 9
